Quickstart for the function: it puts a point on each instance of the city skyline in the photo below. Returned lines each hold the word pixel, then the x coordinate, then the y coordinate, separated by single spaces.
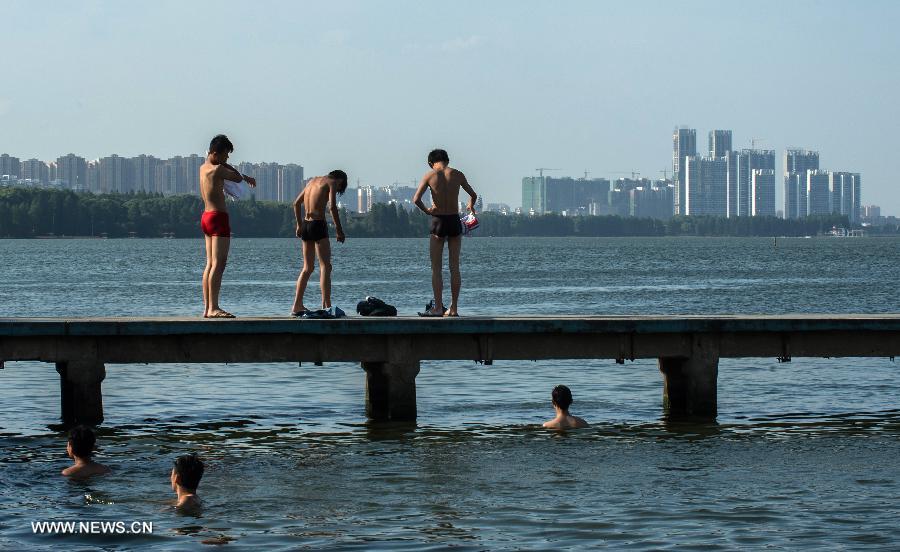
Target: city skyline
pixel 579 86
pixel 145 173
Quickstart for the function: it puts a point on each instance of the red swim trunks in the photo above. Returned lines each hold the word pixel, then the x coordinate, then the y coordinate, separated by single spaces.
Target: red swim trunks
pixel 215 223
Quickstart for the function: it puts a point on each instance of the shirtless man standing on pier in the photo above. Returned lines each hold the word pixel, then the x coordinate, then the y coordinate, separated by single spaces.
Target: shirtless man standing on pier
pixel 214 222
pixel 444 184
pixel 320 192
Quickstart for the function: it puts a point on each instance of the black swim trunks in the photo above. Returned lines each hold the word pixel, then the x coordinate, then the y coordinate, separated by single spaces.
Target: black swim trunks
pixel 445 226
pixel 313 230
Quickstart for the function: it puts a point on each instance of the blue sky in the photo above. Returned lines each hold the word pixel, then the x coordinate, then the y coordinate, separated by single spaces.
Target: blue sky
pixel 504 86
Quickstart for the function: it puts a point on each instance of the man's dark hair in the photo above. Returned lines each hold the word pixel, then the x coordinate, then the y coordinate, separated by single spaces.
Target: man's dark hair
pixel 82 439
pixel 437 155
pixel 562 397
pixel 341 177
pixel 220 144
pixel 189 469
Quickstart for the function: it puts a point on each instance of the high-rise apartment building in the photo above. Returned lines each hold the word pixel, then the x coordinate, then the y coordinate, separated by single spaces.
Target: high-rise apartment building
pixel 290 182
pixel 363 199
pixel 856 203
pixel 740 175
pixel 566 194
pixel 590 191
pixel 93 176
pixel 655 201
pixel 706 186
pixel 719 143
pixel 818 194
pixel 796 163
pixel 560 194
pixel 165 177
pixel 36 170
pixel 72 171
pixel 142 173
pixel 175 175
pixel 618 202
pixel 113 171
pixel 10 166
pixel 845 189
pixel 762 186
pixel 684 144
pixel 534 194
pixel 189 180
pixel 266 181
pixel 870 212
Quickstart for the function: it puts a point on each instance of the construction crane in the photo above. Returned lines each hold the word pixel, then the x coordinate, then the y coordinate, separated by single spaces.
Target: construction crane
pixel 586 173
pixel 542 169
pixel 753 142
pixel 665 174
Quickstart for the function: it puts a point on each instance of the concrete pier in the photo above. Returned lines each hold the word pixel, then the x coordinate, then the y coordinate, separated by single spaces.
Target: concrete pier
pixel 390 350
pixel 79 389
pixel 391 390
pixel 689 383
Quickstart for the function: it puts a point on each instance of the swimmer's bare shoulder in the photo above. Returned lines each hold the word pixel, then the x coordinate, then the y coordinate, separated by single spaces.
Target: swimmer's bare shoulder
pixel 570 422
pixel 189 504
pixel 578 422
pixel 80 472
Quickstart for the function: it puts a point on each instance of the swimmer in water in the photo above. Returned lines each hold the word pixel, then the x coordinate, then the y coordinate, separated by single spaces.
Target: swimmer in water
pixel 80 449
pixel 562 399
pixel 185 478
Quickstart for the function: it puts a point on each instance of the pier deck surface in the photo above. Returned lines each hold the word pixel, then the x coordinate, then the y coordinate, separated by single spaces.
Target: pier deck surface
pixel 268 339
pixel 390 350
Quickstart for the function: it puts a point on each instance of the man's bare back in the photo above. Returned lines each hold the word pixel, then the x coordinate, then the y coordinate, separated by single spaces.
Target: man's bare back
pixel 566 421
pixel 85 469
pixel 316 195
pixel 212 188
pixel 444 185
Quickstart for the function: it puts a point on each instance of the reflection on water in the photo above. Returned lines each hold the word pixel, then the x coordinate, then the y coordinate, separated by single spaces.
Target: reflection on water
pixel 803 455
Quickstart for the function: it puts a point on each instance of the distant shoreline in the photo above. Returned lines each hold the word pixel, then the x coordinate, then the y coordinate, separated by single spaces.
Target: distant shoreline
pixel 63 214
pixel 235 236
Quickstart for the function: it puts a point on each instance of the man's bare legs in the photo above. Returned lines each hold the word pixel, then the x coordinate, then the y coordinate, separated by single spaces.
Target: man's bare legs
pixel 454 245
pixel 217 256
pixel 323 250
pixel 206 272
pixel 436 250
pixel 309 259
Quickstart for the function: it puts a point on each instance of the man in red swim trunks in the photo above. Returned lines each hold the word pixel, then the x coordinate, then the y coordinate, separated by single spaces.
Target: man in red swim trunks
pixel 214 222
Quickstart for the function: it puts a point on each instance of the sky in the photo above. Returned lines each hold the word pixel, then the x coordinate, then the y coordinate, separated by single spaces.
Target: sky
pixel 504 86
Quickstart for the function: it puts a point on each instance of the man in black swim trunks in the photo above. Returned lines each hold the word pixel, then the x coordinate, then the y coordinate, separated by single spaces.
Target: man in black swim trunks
pixel 444 184
pixel 320 192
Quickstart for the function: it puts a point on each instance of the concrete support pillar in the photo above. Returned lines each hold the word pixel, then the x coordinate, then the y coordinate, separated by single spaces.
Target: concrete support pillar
pixel 81 397
pixel 689 384
pixel 391 390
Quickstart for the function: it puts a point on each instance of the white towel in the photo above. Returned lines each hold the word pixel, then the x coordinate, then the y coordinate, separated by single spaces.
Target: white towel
pixel 237 190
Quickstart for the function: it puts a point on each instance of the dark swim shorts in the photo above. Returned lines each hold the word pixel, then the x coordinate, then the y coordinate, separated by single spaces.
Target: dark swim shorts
pixel 445 226
pixel 313 230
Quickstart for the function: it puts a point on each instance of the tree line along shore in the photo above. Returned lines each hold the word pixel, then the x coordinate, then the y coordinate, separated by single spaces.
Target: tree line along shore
pixel 30 213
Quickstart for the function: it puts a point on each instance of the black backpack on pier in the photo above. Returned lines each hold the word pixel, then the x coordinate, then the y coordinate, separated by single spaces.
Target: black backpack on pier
pixel 373 306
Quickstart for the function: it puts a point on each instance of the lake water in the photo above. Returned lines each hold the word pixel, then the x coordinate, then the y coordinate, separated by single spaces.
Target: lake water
pixel 804 454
